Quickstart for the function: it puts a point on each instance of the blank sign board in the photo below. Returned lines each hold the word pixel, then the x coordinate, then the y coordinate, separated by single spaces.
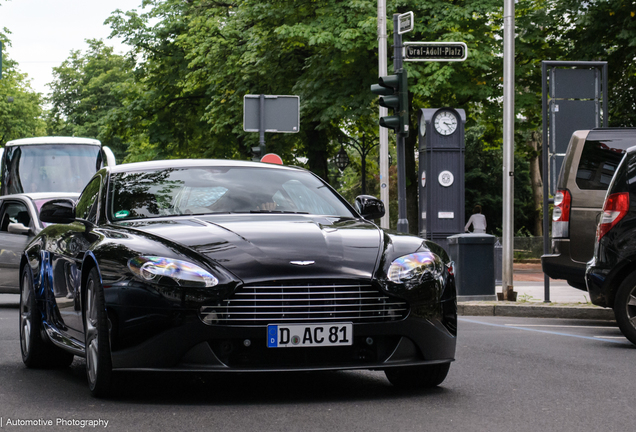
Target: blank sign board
pixel 568 116
pixel 575 83
pixel 281 113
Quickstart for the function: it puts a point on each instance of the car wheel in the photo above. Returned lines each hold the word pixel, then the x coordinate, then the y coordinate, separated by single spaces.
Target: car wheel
pixel 96 330
pixel 36 351
pixel 418 376
pixel 625 307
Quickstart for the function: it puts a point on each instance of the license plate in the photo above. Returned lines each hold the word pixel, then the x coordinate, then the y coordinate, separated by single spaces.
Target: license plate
pixel 309 335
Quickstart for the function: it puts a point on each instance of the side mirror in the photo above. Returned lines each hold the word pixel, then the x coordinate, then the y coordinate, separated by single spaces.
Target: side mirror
pixel 18 228
pixel 369 207
pixel 58 211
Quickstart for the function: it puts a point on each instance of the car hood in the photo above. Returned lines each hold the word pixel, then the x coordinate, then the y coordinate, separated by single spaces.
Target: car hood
pixel 270 247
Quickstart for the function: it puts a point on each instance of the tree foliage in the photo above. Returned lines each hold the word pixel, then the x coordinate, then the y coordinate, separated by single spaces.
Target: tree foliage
pixel 179 91
pixel 87 94
pixel 20 105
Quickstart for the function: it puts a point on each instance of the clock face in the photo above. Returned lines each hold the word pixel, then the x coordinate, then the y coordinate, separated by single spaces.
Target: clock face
pixel 445 123
pixel 422 126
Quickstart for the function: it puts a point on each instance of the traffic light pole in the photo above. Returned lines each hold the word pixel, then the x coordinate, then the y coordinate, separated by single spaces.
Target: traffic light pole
pixel 403 223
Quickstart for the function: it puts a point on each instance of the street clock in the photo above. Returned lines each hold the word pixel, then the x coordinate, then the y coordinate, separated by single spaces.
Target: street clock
pixel 445 122
pixel 441 159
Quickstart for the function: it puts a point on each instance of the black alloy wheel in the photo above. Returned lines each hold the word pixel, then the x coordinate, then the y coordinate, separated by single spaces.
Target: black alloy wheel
pixel 96 329
pixel 410 377
pixel 625 307
pixel 36 351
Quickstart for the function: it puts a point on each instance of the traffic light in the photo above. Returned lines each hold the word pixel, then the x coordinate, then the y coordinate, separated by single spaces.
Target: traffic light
pixel 258 152
pixel 393 91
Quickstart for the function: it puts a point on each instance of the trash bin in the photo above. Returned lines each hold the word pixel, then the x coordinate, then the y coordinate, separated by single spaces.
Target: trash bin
pixel 473 255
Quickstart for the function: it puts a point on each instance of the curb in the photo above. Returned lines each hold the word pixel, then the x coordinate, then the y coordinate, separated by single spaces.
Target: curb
pixel 536 311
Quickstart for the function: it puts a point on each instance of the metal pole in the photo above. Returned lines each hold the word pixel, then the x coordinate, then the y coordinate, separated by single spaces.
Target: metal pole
pixel 508 148
pixel 261 127
pixel 403 223
pixel 546 175
pixel 384 132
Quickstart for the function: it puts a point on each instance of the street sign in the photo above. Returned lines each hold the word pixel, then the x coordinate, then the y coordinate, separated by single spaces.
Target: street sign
pixel 435 51
pixel 281 114
pixel 405 22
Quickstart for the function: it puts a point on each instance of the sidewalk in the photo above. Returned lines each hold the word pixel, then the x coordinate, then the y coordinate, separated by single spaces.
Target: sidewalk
pixel 528 280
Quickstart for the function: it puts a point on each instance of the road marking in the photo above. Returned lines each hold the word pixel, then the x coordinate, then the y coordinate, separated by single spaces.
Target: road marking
pixel 563 326
pixel 610 337
pixel 545 331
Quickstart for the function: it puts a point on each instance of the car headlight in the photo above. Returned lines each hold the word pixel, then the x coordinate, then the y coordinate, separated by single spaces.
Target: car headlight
pixel 152 268
pixel 413 267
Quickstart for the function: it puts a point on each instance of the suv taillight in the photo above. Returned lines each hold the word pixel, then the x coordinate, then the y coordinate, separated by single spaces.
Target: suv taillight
pixel 614 209
pixel 561 214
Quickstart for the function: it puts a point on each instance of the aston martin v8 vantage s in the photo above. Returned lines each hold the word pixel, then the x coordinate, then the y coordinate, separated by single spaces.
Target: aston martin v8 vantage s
pixel 209 265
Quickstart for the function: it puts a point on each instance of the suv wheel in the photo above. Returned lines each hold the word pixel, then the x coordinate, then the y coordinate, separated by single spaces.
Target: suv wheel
pixel 625 307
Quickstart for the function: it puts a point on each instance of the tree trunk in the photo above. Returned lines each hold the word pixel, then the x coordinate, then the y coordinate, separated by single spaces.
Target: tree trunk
pixel 537 183
pixel 317 152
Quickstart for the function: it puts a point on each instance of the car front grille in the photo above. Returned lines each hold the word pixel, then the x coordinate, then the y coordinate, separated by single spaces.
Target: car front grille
pixel 305 302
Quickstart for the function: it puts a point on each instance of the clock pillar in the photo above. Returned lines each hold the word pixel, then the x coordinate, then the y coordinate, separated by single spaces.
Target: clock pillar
pixel 441 173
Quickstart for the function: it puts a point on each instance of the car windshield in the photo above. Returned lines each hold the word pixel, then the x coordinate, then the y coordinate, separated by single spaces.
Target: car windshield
pixel 220 190
pixel 50 167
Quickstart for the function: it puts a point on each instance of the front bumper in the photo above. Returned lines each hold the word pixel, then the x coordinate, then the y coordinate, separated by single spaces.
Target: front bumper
pixel 194 346
pixel 560 265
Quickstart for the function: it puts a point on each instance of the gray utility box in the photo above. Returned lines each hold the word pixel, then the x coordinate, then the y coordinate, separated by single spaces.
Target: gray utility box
pixel 474 257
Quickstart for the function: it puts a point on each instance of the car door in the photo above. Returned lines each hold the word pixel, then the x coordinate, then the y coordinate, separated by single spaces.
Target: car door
pixel 67 262
pixel 12 245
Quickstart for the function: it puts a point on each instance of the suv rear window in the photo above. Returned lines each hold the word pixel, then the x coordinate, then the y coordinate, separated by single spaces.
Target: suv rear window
pixel 599 160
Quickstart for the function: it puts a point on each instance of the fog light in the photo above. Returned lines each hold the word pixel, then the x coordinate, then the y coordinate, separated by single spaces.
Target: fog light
pixel 247 342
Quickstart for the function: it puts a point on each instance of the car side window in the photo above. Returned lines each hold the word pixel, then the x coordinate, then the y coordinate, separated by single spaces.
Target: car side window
pixel 14 212
pixel 599 161
pixel 88 203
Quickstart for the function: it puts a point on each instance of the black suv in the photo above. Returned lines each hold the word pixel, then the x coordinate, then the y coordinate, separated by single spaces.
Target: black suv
pixel 611 274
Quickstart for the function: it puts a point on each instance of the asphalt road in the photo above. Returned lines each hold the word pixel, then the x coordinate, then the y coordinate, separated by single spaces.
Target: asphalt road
pixel 511 374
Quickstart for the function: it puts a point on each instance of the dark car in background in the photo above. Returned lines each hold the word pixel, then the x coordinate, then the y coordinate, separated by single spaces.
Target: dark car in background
pixel 19 223
pixel 611 274
pixel 208 265
pixel 590 162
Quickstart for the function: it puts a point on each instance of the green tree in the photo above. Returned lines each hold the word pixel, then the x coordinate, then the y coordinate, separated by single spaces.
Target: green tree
pixel 87 96
pixel 20 105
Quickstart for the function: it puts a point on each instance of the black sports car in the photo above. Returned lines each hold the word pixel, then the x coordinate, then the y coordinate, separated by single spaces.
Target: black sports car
pixel 209 265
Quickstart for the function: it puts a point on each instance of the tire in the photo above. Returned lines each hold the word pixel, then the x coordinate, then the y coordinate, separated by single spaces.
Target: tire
pixel 37 352
pixel 418 376
pixel 625 308
pixel 97 335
